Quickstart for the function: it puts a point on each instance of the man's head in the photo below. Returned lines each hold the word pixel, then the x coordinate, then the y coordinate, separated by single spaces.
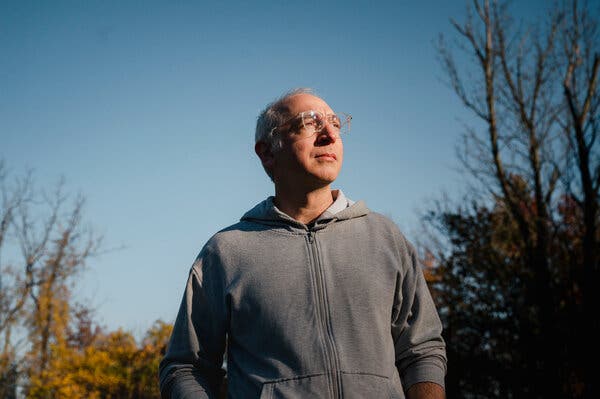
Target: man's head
pixel 298 140
pixel 275 114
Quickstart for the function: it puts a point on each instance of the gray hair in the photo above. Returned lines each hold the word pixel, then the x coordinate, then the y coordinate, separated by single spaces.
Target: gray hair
pixel 275 114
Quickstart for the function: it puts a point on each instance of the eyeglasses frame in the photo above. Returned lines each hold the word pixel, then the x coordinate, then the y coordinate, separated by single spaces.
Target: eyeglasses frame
pixel 345 121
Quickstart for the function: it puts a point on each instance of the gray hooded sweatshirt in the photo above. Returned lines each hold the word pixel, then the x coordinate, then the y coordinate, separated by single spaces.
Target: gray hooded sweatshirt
pixel 336 309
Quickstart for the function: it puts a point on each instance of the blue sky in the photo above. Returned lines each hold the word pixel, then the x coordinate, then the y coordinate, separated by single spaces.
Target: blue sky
pixel 148 109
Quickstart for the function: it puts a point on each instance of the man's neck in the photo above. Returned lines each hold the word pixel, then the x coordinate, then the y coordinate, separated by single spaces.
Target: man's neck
pixel 302 206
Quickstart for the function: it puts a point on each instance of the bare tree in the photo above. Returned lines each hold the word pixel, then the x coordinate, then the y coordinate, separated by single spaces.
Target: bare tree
pixel 43 247
pixel 581 57
pixel 521 83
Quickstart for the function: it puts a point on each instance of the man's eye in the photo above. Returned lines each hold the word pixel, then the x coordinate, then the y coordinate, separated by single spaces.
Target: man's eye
pixel 310 122
pixel 335 121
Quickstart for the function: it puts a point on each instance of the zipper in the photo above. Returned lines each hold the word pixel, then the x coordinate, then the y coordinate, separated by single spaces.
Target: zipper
pixel 325 319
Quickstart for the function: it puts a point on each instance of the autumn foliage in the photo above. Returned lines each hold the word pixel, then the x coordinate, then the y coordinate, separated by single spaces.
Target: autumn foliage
pixel 112 365
pixel 51 345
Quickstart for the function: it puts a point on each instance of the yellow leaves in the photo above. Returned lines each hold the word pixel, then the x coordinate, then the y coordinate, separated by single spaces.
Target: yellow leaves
pixel 112 366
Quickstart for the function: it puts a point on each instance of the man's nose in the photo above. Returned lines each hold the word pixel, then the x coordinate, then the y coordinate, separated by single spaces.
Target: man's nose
pixel 328 134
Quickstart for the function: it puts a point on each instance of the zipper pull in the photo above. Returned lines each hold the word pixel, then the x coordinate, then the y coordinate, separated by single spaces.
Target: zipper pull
pixel 310 236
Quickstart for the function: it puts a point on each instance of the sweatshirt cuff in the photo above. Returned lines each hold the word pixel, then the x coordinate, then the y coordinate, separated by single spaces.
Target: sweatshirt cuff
pixel 427 372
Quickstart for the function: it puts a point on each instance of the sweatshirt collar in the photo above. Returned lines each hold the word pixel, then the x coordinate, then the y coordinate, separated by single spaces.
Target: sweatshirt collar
pixel 342 208
pixel 340 203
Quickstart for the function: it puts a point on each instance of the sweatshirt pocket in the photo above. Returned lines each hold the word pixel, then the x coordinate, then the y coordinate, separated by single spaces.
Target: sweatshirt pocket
pixel 354 385
pixel 310 386
pixel 365 385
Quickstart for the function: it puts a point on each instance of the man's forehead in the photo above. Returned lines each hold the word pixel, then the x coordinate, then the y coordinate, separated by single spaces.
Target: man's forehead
pixel 304 102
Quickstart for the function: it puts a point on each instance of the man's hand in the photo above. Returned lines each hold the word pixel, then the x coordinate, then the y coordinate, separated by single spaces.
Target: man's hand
pixel 425 390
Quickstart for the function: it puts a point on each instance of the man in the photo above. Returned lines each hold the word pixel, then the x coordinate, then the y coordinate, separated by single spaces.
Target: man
pixel 314 295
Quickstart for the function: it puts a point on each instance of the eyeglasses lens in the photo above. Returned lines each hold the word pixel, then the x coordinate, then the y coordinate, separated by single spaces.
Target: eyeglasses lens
pixel 315 121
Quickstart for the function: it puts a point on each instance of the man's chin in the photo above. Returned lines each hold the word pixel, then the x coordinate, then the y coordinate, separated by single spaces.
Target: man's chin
pixel 327 173
pixel 326 179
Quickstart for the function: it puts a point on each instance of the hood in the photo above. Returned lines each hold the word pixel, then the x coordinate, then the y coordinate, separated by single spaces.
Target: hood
pixel 267 213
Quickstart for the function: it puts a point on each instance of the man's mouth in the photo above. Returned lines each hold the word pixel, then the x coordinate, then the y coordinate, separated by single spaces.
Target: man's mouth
pixel 328 155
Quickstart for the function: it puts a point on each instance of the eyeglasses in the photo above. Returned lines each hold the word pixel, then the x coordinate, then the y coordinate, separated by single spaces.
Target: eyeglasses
pixel 308 123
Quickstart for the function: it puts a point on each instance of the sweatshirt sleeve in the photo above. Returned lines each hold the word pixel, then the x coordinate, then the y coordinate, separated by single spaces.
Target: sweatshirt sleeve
pixel 416 326
pixel 191 367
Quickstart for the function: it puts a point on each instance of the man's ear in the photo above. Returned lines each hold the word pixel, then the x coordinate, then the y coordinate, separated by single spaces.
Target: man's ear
pixel 265 153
